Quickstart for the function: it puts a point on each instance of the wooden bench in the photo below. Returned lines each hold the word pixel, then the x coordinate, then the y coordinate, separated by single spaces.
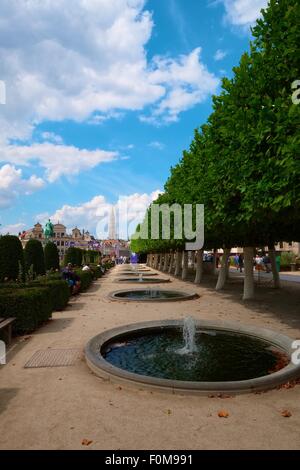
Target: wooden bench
pixel 6 326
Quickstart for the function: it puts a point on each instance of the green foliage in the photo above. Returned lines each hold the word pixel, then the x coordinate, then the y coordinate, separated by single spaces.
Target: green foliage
pixel 74 256
pixel 243 164
pixel 86 279
pixel 30 306
pixel 59 291
pixel 91 256
pixel 51 256
pixel 287 258
pixel 11 258
pixel 34 256
pixel 96 270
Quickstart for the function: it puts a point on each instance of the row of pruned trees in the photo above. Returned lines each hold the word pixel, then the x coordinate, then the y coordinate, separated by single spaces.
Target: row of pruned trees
pixel 243 164
pixel 33 260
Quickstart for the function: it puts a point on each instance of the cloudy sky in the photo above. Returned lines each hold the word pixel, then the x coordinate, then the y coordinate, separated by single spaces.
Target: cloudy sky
pixel 101 98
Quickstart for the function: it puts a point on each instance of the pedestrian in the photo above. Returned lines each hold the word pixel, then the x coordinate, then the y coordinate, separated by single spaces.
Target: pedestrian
pixel 236 261
pixel 267 263
pixel 241 263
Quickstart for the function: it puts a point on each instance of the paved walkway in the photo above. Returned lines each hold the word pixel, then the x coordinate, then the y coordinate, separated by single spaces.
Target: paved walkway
pixel 58 407
pixel 259 275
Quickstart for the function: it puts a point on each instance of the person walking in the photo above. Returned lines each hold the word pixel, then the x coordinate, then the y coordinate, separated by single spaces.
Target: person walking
pixel 241 263
pixel 236 261
pixel 267 263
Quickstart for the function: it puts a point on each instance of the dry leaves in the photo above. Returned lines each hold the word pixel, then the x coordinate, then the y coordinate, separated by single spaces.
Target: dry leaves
pixel 223 414
pixel 86 442
pixel 286 414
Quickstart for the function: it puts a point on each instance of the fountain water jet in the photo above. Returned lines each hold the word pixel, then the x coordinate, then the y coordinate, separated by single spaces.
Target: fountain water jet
pixel 189 333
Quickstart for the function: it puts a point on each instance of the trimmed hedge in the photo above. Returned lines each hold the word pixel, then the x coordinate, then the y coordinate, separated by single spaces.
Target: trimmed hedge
pixel 96 270
pixel 51 256
pixel 31 307
pixel 34 256
pixel 74 256
pixel 86 278
pixel 59 292
pixel 11 258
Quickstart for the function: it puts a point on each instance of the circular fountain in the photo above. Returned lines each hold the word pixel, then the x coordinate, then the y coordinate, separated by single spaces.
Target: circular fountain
pixel 134 273
pixel 142 280
pixel 151 295
pixel 193 356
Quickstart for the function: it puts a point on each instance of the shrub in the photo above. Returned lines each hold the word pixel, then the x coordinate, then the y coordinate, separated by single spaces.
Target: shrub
pixel 74 256
pixel 287 258
pixel 11 258
pixel 34 256
pixel 86 278
pixel 30 306
pixel 59 292
pixel 96 270
pixel 51 256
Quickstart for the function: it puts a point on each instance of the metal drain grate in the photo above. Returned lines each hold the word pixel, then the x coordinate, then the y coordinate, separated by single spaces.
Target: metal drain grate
pixel 53 358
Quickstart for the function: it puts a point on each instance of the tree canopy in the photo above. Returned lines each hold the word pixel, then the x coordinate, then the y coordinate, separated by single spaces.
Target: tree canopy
pixel 243 164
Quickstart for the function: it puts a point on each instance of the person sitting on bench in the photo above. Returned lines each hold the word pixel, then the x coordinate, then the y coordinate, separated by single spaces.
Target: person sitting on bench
pixel 72 279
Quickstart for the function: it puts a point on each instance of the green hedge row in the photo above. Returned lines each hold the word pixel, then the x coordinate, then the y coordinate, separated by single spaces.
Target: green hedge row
pixel 30 306
pixel 86 278
pixel 59 292
pixel 33 303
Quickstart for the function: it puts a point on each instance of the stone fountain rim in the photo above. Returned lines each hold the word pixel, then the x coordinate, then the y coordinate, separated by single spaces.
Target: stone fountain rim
pixel 184 296
pixel 149 280
pixel 130 273
pixel 104 369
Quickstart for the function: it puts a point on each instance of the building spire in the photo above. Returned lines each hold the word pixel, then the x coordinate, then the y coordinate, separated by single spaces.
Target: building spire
pixel 112 225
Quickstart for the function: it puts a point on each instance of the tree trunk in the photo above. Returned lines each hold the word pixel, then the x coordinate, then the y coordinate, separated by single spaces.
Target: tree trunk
pixel 165 268
pixel 178 263
pixel 223 272
pixel 156 261
pixel 276 278
pixel 160 262
pixel 215 271
pixel 199 267
pixel 249 278
pixel 171 262
pixel 185 265
pixel 194 253
pixel 148 260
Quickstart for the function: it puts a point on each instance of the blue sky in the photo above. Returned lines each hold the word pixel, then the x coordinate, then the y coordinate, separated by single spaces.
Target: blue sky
pixel 102 99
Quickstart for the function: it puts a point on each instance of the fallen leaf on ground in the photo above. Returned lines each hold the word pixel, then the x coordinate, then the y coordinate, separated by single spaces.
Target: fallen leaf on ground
pixel 86 442
pixel 223 414
pixel 169 412
pixel 286 414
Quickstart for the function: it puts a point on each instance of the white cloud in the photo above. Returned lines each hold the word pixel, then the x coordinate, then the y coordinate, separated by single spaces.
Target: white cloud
pixel 13 185
pixel 87 59
pixel 187 82
pixel 243 12
pixel 52 137
pixel 94 215
pixel 220 55
pixel 12 229
pixel 157 145
pixel 57 160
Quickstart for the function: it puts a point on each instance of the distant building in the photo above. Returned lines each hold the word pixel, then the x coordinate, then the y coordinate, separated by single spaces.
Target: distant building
pixel 62 240
pixel 115 248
